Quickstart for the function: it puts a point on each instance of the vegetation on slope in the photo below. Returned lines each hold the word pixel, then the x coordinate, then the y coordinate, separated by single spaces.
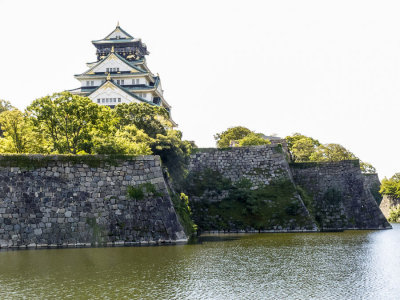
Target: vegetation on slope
pixel 229 206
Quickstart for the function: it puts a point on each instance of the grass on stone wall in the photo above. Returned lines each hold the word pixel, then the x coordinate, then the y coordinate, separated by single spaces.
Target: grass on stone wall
pixel 184 212
pixel 31 161
pixel 143 190
pixel 242 207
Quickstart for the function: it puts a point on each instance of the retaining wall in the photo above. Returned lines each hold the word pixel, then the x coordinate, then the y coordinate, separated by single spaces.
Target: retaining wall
pixel 69 201
pixel 341 199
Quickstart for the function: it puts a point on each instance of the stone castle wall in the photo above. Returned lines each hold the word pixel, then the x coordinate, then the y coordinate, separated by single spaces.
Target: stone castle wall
pixel 341 197
pixel 260 165
pixel 52 201
pixel 388 202
pixel 373 183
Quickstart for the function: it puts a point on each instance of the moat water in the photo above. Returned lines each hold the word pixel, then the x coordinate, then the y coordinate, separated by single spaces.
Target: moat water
pixel 343 265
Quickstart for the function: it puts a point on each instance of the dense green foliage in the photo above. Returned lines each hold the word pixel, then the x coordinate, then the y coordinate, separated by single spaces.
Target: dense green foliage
pixel 391 187
pixel 306 149
pixel 68 121
pixel 331 152
pixel 184 212
pixel 367 168
pixel 241 206
pixel 239 136
pixel 301 147
pixel 64 123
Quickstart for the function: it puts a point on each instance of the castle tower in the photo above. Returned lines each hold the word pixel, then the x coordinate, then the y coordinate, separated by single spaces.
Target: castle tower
pixel 120 74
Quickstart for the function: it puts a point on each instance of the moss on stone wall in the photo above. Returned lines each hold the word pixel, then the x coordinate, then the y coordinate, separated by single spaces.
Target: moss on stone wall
pixel 143 190
pixel 183 210
pixel 27 161
pixel 225 205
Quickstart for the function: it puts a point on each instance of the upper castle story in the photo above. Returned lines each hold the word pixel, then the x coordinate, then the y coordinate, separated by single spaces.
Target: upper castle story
pixel 120 73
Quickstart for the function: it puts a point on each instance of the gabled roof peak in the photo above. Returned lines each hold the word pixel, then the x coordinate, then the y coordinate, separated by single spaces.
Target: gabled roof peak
pixel 118 33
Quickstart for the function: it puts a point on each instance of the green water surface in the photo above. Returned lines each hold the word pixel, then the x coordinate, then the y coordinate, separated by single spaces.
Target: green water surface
pixel 343 265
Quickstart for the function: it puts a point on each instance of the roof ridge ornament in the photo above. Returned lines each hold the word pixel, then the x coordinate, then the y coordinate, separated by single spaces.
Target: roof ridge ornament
pixel 118 24
pixel 109 77
pixel 112 49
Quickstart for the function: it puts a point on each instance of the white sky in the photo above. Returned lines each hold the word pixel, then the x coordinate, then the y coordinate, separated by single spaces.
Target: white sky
pixel 327 69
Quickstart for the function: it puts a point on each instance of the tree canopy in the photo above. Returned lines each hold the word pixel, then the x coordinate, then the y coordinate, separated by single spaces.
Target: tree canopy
pixel 331 152
pixel 64 123
pixel 391 186
pixel 241 136
pixel 67 121
pixel 301 147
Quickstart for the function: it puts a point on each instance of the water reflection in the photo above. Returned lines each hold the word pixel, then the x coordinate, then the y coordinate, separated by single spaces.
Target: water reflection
pixel 343 265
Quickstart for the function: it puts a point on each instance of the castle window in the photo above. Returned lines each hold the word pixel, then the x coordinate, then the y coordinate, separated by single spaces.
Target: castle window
pixel 119 99
pixel 122 82
pixel 137 80
pixel 108 70
pixel 87 83
pixel 103 100
pixel 92 83
pixel 98 100
pixel 117 69
pixel 118 82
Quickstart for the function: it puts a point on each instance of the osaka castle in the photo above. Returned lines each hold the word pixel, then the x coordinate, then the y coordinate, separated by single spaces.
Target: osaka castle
pixel 120 73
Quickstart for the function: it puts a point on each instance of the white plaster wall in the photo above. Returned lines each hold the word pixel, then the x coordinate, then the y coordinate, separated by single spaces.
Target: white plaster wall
pixel 112 62
pixel 142 80
pixel 111 92
pixel 96 82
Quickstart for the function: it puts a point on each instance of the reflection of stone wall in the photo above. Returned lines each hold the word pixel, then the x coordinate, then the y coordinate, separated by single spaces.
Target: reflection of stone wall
pixel 61 203
pixel 387 203
pixel 340 198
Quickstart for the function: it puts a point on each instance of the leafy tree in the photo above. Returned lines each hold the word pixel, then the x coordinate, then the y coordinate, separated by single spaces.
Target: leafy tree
pixel 331 152
pixel 367 168
pixel 301 147
pixel 224 138
pixel 391 186
pixel 5 106
pixel 67 121
pixel 253 139
pixel 127 140
pixel 174 153
pixel 17 132
pixel 151 119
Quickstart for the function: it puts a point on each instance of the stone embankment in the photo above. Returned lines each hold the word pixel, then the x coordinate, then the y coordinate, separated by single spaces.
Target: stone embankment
pixel 342 199
pixel 282 210
pixel 51 201
pixel 338 196
pixel 388 202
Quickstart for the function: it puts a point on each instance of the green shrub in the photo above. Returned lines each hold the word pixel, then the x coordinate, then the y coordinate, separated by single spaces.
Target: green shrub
pixel 394 214
pixel 183 210
pixel 139 192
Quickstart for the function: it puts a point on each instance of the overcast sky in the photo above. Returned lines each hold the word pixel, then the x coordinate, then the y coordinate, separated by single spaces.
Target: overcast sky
pixel 327 69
